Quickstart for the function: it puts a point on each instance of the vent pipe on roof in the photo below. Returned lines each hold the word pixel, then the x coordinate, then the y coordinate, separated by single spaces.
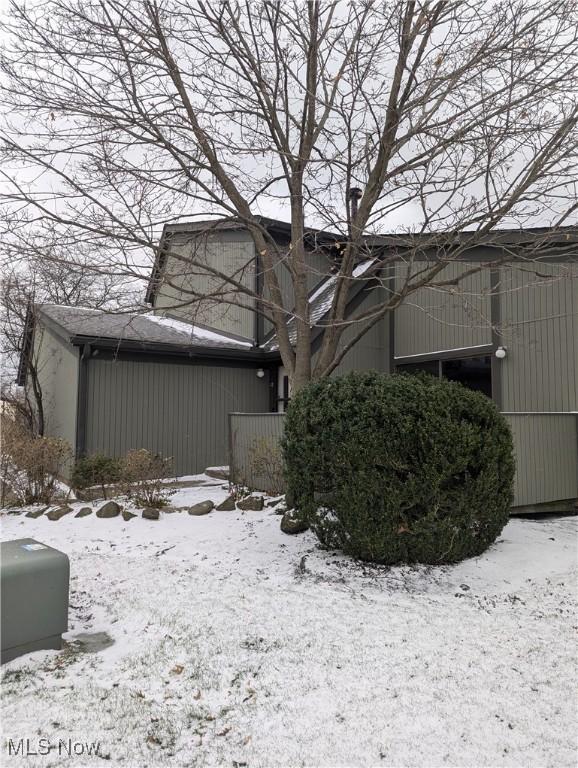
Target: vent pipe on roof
pixel 355 195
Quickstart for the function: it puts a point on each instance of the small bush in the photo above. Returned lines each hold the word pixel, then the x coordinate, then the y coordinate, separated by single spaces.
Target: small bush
pixel 399 469
pixel 141 476
pixel 266 465
pixel 95 470
pixel 31 465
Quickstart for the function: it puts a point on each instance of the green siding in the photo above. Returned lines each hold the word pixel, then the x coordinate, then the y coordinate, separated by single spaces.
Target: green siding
pixel 232 253
pixel 319 269
pixel 546 447
pixel 437 319
pixel 57 365
pixel 539 327
pixel 256 457
pixel 372 351
pixel 177 410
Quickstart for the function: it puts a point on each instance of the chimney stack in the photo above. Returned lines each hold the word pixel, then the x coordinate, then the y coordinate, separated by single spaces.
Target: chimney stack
pixel 355 195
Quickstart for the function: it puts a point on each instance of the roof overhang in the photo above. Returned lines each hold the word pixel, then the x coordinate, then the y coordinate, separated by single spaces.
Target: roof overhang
pixel 559 237
pixel 252 356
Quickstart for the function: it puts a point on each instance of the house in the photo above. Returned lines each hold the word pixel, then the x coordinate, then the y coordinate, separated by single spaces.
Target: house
pixel 166 380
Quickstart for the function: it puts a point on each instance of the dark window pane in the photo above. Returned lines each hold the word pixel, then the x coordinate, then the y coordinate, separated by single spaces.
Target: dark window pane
pixel 473 372
pixel 426 366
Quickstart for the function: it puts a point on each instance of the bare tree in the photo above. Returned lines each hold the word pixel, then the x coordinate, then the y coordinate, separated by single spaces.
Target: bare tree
pixel 35 281
pixel 456 116
pixel 27 405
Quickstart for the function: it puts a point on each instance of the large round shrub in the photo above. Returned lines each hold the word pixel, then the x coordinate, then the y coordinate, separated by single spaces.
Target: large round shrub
pixel 399 469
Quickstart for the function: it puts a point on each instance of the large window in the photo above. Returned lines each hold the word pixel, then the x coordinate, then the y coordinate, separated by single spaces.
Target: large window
pixel 427 366
pixel 472 372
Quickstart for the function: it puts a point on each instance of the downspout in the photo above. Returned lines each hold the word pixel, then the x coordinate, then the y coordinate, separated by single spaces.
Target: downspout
pixel 391 281
pixel 82 402
pixel 355 195
pixel 496 320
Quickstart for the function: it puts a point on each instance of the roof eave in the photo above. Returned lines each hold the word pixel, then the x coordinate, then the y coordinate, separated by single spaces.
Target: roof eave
pixel 253 354
pixel 495 238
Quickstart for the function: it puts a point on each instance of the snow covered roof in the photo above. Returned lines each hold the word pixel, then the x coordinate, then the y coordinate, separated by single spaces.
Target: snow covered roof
pixel 320 301
pixel 146 328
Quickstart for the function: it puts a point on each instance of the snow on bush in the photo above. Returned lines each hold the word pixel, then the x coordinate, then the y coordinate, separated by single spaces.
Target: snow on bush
pixel 395 469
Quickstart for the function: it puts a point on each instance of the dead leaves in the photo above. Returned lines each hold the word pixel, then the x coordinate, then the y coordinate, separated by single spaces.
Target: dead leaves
pixel 403 529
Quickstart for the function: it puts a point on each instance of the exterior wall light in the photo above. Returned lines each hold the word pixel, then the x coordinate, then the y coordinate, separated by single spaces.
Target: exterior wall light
pixel 260 373
pixel 501 353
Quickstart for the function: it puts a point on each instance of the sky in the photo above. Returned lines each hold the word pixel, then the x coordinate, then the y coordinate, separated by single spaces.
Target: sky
pixel 401 218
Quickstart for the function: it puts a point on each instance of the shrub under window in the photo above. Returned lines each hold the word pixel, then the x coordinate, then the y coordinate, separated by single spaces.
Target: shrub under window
pixel 399 469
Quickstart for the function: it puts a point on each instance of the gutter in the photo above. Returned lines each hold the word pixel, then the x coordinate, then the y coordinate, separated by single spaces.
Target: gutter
pixel 250 354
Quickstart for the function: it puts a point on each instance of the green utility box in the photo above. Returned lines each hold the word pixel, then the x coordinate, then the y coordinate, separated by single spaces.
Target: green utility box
pixel 34 581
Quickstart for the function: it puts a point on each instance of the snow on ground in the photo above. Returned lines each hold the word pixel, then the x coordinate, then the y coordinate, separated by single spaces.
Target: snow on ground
pixel 235 645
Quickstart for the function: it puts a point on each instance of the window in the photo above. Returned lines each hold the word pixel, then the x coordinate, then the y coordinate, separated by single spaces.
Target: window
pixel 427 366
pixel 473 372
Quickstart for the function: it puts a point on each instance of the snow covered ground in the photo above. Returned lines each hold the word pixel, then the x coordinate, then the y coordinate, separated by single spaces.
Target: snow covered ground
pixel 235 645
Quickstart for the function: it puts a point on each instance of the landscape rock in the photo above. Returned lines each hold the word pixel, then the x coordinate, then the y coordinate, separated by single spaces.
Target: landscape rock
pixel 150 513
pixel 13 511
pixel 36 512
pixel 110 509
pixel 83 512
pixel 291 524
pixel 126 515
pixel 275 501
pixel 226 506
pixel 56 514
pixel 251 503
pixel 203 508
